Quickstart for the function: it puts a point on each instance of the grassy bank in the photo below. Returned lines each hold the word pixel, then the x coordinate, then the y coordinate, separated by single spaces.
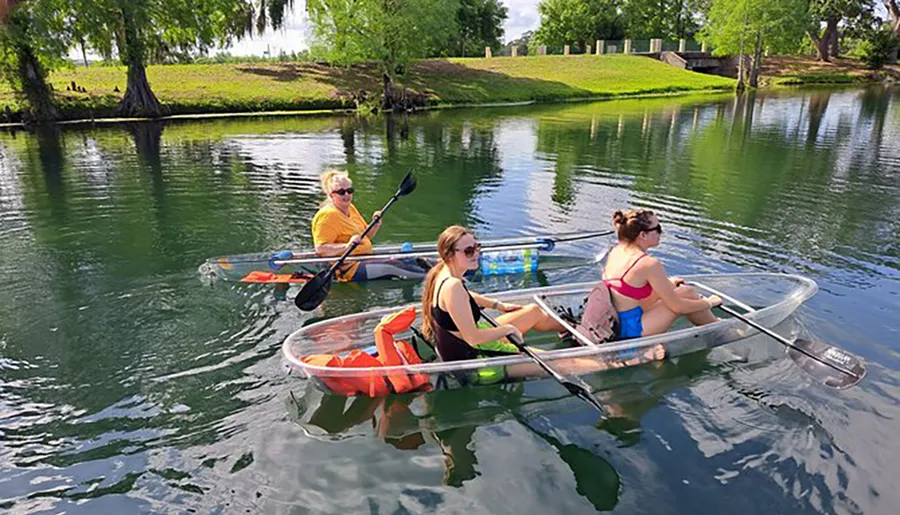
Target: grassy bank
pixel 801 71
pixel 216 88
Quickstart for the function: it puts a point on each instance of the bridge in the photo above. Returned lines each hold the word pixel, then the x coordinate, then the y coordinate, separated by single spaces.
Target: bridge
pixel 702 62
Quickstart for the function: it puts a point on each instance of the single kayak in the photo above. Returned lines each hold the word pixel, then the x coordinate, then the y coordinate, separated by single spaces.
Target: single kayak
pixel 499 256
pixel 765 298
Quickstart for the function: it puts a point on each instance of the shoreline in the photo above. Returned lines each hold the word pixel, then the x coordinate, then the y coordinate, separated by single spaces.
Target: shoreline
pixel 198 91
pixel 347 112
pixel 296 89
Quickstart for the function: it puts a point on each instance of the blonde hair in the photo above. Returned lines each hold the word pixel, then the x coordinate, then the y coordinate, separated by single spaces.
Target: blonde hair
pixel 328 179
pixel 446 244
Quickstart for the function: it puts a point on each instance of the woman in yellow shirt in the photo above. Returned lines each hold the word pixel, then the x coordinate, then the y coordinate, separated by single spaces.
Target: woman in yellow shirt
pixel 338 224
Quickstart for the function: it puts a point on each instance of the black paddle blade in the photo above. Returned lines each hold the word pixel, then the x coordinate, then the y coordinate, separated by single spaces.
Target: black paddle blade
pixel 583 393
pixel 408 185
pixel 314 292
pixel 829 365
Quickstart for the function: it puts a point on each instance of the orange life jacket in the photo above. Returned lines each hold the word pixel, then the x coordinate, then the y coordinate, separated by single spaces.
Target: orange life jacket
pixel 390 353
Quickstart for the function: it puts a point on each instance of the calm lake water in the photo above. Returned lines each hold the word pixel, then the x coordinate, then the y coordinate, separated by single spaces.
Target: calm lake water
pixel 129 385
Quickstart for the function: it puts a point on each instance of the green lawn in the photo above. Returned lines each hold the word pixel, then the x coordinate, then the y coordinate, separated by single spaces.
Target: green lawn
pixel 212 88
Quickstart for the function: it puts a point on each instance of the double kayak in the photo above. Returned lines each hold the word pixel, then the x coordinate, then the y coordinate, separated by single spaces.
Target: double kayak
pixel 765 298
pixel 499 256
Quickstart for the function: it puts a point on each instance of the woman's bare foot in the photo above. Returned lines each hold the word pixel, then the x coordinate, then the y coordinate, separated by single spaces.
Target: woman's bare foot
pixel 654 353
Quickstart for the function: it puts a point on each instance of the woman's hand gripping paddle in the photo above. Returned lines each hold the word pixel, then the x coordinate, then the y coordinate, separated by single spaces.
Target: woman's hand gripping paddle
pixel 314 292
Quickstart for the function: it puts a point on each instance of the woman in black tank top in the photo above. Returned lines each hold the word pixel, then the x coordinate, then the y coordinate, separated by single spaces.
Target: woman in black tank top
pixel 450 313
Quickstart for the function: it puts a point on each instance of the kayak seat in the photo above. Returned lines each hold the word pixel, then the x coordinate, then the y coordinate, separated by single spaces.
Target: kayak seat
pixel 426 354
pixel 568 315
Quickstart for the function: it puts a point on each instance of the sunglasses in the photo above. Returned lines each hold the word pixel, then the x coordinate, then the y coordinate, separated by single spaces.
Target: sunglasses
pixel 471 250
pixel 658 229
pixel 342 191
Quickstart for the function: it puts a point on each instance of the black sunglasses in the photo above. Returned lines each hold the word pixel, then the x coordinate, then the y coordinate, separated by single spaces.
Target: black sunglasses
pixel 343 191
pixel 658 229
pixel 471 250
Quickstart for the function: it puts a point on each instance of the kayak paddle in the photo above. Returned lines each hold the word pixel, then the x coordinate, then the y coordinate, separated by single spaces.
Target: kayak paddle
pixel 828 364
pixel 575 386
pixel 314 292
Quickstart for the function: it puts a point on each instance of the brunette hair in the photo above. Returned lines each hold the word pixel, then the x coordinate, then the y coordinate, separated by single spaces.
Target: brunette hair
pixel 630 224
pixel 446 247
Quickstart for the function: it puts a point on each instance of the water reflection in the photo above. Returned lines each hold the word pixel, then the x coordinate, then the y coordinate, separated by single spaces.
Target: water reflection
pixel 449 419
pixel 124 376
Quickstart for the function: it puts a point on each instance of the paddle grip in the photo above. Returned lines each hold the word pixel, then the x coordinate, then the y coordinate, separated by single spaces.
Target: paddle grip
pixel 355 244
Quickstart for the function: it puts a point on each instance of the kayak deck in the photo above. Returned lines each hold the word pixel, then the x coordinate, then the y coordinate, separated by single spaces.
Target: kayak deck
pixel 770 297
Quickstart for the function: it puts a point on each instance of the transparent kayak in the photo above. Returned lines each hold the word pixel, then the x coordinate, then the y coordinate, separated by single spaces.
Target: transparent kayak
pixel 499 256
pixel 766 298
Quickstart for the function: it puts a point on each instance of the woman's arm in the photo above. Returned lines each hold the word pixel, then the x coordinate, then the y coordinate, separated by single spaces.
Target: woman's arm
pixel 458 306
pixel 325 232
pixel 331 249
pixel 487 302
pixel 656 276
pixel 375 216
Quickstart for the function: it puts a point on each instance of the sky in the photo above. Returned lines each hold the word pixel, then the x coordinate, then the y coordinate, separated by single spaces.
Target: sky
pixel 522 16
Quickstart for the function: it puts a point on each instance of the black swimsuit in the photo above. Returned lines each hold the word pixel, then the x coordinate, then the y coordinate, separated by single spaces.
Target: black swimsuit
pixel 449 346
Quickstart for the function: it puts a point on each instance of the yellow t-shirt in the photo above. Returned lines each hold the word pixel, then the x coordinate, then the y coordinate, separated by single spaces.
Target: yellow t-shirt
pixel 331 226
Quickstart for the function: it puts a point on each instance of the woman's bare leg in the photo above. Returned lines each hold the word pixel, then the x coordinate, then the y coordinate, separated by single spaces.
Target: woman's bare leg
pixel 579 366
pixel 528 318
pixel 658 318
pixel 698 317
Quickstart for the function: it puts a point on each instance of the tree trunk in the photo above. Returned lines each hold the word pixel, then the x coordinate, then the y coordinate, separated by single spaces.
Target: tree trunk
pixel 823 43
pixel 388 92
pixel 5 7
pixel 83 52
pixel 757 60
pixel 31 74
pixel 139 99
pixel 893 10
pixel 835 43
pixel 740 70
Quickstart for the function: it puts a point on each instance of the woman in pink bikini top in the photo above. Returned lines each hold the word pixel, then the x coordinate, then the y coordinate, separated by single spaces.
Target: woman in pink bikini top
pixel 647 300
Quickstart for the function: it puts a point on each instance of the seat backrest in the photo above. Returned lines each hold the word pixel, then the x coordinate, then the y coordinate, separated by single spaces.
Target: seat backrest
pixel 599 318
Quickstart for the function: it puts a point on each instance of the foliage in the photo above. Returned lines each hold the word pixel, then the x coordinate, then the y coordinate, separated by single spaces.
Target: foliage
pixel 388 32
pixel 227 58
pixel 733 24
pixel 479 25
pixel 521 44
pixel 667 19
pixel 38 26
pixel 32 42
pixel 876 49
pixel 827 17
pixel 163 31
pixel 578 21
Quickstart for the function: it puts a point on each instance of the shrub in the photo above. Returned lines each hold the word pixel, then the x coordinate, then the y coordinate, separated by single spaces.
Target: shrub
pixel 876 48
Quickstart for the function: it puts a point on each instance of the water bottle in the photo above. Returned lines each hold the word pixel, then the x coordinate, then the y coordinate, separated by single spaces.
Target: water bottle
pixel 509 262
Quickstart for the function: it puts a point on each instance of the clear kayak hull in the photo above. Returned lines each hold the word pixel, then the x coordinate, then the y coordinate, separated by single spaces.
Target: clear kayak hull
pixel 768 298
pixel 531 252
